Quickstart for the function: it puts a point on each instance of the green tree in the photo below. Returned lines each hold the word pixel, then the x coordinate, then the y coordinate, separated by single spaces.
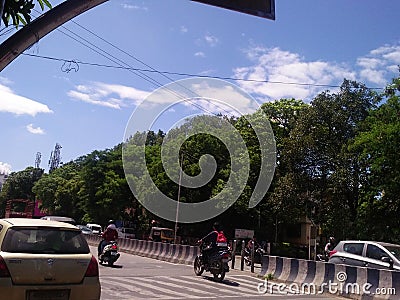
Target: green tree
pixel 104 193
pixel 325 170
pixel 58 191
pixel 19 11
pixel 283 203
pixel 379 143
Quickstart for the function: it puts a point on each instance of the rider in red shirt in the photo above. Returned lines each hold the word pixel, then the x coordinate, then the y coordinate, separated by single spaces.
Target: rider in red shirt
pixel 213 241
pixel 110 234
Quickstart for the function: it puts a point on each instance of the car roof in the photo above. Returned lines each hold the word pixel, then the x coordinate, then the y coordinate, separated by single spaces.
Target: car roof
pixel 82 226
pixel 36 222
pixel 58 218
pixel 370 242
pixel 161 228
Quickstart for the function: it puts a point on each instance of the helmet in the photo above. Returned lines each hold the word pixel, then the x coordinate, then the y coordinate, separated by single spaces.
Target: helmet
pixel 111 222
pixel 217 226
pixel 331 239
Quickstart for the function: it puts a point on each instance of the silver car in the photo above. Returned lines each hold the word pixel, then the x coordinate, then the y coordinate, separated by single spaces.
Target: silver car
pixel 369 254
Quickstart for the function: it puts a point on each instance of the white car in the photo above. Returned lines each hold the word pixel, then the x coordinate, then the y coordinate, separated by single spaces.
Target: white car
pixel 41 259
pixel 85 229
pixel 369 254
pixel 96 228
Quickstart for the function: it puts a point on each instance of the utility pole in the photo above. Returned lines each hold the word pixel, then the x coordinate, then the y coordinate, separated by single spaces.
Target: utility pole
pixel 179 196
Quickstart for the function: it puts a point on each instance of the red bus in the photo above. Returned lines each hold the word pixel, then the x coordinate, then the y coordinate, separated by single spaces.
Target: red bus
pixel 23 208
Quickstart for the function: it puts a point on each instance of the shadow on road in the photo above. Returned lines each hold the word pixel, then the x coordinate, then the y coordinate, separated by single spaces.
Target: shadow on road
pixel 113 266
pixel 225 281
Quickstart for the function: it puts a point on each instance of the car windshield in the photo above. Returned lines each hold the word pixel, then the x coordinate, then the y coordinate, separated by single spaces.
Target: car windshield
pixel 168 233
pixel 395 250
pixel 44 240
pixel 84 228
pixel 96 228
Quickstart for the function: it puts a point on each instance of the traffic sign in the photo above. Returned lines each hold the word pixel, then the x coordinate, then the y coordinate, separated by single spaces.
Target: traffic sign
pixel 244 233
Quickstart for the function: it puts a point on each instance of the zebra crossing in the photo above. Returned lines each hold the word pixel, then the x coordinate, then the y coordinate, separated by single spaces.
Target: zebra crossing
pixel 179 287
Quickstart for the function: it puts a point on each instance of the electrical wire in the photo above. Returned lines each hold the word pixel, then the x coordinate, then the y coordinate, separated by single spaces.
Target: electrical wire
pixel 194 75
pixel 136 71
pixel 164 74
pixel 126 66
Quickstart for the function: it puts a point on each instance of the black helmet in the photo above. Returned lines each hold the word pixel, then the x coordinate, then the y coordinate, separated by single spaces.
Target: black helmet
pixel 111 222
pixel 217 226
pixel 332 239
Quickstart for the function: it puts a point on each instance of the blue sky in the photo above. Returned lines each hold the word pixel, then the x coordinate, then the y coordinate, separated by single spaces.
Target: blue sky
pixel 311 42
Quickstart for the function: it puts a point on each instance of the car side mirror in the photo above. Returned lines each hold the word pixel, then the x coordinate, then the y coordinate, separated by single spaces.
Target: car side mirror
pixel 387 259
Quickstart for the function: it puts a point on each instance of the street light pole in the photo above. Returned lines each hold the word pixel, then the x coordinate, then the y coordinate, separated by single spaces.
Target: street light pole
pixel 179 196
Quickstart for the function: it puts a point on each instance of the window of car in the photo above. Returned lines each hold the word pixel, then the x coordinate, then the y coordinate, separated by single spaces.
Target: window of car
pixel 395 250
pixel 375 252
pixel 353 248
pixel 44 240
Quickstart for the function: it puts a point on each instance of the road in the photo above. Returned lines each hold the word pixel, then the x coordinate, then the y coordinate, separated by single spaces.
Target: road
pixel 135 277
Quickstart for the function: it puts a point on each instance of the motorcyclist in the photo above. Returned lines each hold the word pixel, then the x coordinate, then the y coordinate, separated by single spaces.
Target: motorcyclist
pixel 258 251
pixel 329 246
pixel 251 242
pixel 212 242
pixel 110 234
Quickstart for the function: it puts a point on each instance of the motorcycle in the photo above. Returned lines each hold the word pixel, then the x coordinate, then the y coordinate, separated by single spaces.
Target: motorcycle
pixel 217 263
pixel 110 253
pixel 325 256
pixel 258 254
pixel 322 257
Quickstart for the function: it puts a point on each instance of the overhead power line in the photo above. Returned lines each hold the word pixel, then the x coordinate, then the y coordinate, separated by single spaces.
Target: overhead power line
pixel 189 74
pixel 135 71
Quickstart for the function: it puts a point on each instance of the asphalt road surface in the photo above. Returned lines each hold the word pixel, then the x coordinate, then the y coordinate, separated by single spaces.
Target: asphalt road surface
pixel 135 277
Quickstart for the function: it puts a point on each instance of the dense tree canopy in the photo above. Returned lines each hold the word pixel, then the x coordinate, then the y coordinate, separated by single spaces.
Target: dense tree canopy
pixel 378 144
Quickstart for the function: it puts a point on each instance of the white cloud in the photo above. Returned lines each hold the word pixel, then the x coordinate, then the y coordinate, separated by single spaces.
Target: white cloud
pixel 379 64
pixel 211 40
pixel 207 72
pixel 109 95
pixel 34 130
pixel 5 168
pixel 222 98
pixel 184 29
pixel 134 7
pixel 282 74
pixel 199 54
pixel 19 105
